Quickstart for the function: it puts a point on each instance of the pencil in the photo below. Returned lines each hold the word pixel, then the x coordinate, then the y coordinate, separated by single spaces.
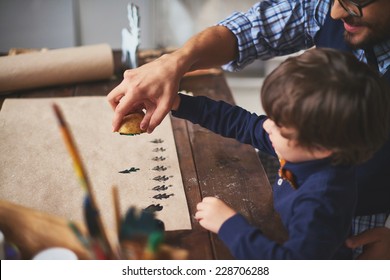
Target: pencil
pixel 82 175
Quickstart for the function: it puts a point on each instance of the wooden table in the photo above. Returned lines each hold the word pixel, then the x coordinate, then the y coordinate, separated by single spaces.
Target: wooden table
pixel 210 164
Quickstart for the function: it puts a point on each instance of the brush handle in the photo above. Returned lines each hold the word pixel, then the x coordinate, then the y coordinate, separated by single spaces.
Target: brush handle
pixel 73 152
pixel 117 210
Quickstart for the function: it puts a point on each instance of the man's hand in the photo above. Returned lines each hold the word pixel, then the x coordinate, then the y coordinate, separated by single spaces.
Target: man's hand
pixel 152 87
pixel 375 242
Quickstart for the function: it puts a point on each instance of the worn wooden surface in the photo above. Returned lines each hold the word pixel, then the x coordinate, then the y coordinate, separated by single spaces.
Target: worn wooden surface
pixel 210 164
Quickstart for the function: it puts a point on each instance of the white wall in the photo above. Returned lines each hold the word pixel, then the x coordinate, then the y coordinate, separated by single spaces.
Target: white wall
pixel 177 20
pixel 102 21
pixel 64 23
pixel 164 23
pixel 36 24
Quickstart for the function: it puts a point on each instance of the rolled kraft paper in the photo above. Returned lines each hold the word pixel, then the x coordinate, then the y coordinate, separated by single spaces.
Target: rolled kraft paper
pixel 56 67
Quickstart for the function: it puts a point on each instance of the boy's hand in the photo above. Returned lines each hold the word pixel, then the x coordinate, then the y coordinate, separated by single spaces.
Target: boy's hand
pixel 212 213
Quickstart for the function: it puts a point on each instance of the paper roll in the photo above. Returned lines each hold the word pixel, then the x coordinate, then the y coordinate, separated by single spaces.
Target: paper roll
pixel 56 67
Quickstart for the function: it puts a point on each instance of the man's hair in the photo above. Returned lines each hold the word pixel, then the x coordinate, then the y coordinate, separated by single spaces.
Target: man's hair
pixel 333 101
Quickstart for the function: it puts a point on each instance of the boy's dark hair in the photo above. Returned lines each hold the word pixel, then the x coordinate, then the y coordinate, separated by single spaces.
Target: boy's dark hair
pixel 333 101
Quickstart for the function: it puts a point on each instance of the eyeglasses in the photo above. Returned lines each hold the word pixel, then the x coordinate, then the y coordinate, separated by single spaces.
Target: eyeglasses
pixel 354 8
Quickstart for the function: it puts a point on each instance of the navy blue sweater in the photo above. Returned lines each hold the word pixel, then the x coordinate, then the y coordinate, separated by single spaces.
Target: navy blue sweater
pixel 317 215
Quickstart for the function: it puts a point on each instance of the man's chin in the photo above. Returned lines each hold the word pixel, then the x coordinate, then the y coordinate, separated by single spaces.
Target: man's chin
pixel 365 38
pixel 357 41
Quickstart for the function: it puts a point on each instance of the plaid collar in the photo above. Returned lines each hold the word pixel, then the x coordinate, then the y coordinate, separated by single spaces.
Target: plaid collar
pixel 382 53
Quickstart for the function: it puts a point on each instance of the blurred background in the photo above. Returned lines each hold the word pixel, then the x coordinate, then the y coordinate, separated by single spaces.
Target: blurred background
pixel 65 23
pixel 163 23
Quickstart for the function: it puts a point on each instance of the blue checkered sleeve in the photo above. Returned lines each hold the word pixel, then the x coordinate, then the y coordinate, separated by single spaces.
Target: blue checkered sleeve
pixel 274 28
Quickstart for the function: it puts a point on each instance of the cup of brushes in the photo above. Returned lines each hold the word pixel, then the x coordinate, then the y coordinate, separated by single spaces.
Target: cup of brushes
pixel 141 235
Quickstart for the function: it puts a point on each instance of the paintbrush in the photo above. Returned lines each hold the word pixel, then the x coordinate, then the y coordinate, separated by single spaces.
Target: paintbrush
pixel 81 174
pixel 118 218
pixel 117 209
pixel 98 245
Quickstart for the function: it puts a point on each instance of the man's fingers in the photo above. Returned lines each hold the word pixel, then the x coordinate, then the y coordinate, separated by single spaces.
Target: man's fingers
pixel 124 103
pixel 115 96
pixel 117 120
pixel 158 115
pixel 363 238
pixel 124 106
pixel 146 120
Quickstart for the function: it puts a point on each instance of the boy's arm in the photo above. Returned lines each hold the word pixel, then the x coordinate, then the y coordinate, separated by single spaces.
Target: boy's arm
pixel 224 119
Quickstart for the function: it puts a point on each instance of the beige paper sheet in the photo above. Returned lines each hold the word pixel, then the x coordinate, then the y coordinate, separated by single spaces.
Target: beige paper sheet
pixel 56 67
pixel 36 169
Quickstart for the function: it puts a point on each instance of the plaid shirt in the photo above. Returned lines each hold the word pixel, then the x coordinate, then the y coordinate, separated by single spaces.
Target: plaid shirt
pixel 280 27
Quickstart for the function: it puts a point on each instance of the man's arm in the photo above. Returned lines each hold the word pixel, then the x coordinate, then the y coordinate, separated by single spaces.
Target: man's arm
pixel 153 86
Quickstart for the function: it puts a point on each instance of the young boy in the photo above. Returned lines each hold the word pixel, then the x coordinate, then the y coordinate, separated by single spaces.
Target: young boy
pixel 326 112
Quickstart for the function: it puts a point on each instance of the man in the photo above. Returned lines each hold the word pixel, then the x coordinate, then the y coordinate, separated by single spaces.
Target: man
pixel 273 28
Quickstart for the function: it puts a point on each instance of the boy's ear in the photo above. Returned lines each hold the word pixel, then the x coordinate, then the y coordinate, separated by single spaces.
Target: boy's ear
pixel 320 153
